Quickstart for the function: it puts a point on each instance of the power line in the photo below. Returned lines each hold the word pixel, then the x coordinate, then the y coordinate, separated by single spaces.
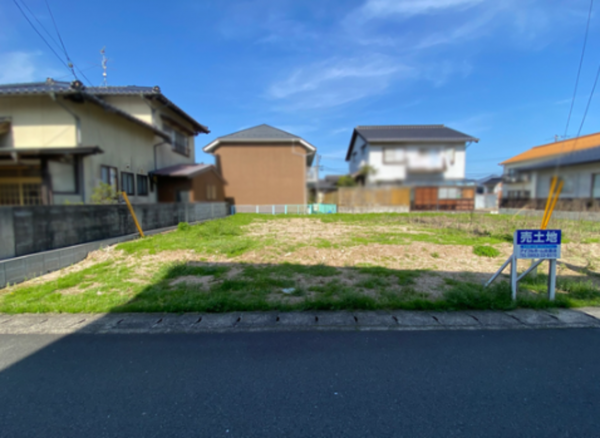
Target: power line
pixel 587 107
pixel 40 35
pixel 587 28
pixel 70 63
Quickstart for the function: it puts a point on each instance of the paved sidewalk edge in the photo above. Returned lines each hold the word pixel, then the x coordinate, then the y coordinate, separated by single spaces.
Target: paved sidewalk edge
pixel 157 323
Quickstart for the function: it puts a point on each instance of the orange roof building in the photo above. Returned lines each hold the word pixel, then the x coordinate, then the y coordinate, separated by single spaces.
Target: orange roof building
pixel 556 148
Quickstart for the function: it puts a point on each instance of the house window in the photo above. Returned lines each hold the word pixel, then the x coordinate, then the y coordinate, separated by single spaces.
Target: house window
pixel 183 196
pixel 394 155
pixel 519 194
pixel 568 185
pixel 449 193
pixel 64 175
pixel 596 186
pixel 211 192
pixel 142 185
pixel 127 183
pixel 178 140
pixel 109 176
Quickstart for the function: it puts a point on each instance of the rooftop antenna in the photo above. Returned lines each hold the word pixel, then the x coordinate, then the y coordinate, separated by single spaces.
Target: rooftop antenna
pixel 103 51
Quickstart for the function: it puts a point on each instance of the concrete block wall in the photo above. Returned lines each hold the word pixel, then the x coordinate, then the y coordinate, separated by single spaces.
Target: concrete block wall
pixel 64 228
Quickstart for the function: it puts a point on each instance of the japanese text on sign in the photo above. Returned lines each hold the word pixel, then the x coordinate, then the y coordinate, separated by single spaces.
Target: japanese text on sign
pixel 537 244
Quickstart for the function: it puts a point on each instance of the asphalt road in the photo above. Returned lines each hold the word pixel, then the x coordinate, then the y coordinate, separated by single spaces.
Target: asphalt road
pixel 529 383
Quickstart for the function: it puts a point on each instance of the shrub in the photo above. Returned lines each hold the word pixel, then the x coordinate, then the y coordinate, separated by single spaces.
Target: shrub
pixel 485 251
pixel 104 194
pixel 183 226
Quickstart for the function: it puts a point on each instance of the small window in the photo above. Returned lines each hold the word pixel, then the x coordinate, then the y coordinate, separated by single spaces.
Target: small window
pixel 142 185
pixel 211 192
pixel 127 183
pixel 64 175
pixel 596 186
pixel 393 155
pixel 183 196
pixel 108 175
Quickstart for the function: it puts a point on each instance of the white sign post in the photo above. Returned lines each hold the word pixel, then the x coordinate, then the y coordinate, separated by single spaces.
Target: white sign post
pixel 533 244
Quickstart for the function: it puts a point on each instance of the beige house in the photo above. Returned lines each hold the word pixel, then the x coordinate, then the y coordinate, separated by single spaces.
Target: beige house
pixel 60 140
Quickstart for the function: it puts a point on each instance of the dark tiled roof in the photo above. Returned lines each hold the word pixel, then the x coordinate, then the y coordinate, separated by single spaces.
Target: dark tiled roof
pixel 407 133
pixel 60 87
pixel 412 133
pixel 185 170
pixel 261 132
pixel 591 155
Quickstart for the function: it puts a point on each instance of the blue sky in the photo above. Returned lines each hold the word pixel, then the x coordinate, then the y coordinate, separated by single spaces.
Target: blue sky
pixel 501 70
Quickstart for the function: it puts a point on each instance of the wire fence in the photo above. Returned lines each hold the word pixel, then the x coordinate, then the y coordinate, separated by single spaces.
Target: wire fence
pixel 285 209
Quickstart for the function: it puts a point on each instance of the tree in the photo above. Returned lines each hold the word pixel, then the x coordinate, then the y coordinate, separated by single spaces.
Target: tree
pixel 346 181
pixel 104 194
pixel 367 170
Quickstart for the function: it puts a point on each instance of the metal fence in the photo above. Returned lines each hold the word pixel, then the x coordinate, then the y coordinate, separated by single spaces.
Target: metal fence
pixel 285 209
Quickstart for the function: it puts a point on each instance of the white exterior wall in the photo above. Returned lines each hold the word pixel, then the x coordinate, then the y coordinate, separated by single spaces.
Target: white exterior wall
pixel 361 158
pixel 578 181
pixel 395 172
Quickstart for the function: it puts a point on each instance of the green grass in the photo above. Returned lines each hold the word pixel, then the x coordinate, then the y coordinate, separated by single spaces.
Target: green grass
pixel 485 251
pixel 115 286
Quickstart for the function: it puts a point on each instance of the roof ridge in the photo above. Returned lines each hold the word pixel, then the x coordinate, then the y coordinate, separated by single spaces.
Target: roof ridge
pixel 259 126
pixel 398 126
pixel 565 140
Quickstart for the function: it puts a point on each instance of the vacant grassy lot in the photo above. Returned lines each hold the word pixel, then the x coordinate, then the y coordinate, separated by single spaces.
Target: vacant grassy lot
pixel 261 262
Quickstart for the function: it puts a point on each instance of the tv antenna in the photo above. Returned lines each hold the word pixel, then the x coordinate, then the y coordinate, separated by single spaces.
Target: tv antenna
pixel 103 52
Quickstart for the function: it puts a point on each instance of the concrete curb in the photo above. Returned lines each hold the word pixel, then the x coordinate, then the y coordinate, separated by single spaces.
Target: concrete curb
pixel 156 323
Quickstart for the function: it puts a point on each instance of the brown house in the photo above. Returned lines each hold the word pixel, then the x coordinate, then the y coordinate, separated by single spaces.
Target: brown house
pixel 263 166
pixel 189 183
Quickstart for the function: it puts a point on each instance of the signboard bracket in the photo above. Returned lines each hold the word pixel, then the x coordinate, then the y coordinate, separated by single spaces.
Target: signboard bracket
pixel 524 249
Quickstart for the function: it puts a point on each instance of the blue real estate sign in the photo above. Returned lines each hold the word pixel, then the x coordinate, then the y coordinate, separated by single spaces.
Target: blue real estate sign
pixel 537 244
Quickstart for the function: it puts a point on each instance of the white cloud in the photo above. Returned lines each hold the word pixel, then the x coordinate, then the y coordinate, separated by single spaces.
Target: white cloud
pixel 407 8
pixel 338 81
pixel 18 67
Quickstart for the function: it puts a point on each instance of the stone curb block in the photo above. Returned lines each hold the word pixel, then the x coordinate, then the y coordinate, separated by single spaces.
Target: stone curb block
pixel 297 321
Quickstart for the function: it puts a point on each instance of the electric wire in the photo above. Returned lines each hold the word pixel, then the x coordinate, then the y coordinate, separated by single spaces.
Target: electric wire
pixel 42 36
pixel 587 28
pixel 62 43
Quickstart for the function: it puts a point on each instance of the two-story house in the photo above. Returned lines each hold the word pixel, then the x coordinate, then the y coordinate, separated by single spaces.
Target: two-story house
pixel 576 162
pixel 59 140
pixel 429 155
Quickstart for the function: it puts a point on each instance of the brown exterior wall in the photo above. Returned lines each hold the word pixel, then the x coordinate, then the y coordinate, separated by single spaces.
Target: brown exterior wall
pixel 168 188
pixel 263 174
pixel 200 183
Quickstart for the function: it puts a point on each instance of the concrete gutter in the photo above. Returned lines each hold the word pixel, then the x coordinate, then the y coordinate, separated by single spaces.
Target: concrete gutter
pixel 156 323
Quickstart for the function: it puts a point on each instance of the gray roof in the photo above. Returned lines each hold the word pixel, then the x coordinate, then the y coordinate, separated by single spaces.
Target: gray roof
pixel 407 133
pixel 61 87
pixel 585 156
pixel 261 132
pixel 185 170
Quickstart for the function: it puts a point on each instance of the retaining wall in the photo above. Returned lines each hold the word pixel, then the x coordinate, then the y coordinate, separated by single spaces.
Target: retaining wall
pixel 28 230
pixel 67 225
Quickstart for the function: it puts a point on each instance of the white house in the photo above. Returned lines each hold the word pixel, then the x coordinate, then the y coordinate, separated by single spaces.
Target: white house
pixel 408 154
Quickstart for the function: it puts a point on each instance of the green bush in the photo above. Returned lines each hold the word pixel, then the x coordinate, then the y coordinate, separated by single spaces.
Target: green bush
pixel 485 251
pixel 183 226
